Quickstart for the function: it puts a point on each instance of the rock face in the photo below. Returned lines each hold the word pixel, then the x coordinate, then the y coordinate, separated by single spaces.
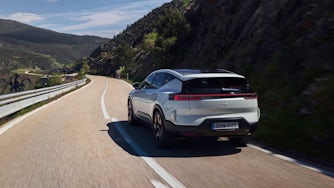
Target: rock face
pixel 281 45
pixel 296 34
pixel 285 49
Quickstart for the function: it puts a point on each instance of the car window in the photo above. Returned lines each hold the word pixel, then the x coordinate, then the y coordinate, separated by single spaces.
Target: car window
pixel 159 80
pixel 173 85
pixel 168 78
pixel 216 85
pixel 147 83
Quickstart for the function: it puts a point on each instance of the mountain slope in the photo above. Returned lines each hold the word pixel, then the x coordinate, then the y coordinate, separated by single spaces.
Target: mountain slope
pixel 144 45
pixel 22 46
pixel 284 48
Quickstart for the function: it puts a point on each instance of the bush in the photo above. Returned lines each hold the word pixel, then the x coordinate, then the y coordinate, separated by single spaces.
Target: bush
pixel 53 81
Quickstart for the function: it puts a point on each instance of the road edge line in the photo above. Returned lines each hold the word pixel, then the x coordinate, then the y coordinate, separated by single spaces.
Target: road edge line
pixel 307 165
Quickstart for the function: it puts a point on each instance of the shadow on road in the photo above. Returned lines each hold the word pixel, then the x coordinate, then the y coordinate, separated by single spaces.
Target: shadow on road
pixel 142 136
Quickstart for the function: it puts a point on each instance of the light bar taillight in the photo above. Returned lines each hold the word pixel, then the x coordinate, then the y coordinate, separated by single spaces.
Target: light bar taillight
pixel 197 97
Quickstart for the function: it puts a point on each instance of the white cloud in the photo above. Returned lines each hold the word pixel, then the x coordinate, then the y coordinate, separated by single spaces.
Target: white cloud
pixel 123 13
pixel 48 26
pixel 25 17
pixel 105 21
pixel 91 20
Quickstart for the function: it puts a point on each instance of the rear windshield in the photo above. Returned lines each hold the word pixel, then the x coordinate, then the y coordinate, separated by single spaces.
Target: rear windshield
pixel 224 85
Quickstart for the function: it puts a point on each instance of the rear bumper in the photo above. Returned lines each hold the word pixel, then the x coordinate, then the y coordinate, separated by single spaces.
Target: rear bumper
pixel 204 129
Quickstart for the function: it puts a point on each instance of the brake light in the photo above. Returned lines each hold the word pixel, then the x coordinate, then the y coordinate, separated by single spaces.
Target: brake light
pixel 184 97
pixel 197 97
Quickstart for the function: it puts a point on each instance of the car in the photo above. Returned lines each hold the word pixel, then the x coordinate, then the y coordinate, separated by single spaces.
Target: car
pixel 194 103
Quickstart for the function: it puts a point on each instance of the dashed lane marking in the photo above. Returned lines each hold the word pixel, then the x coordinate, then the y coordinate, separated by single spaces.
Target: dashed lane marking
pixel 103 106
pixel 158 184
pixel 171 180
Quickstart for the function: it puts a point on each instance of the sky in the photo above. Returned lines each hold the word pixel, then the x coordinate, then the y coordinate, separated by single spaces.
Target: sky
pixel 104 18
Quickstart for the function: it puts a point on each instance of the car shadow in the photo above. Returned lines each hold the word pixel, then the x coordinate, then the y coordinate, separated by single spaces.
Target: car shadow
pixel 140 136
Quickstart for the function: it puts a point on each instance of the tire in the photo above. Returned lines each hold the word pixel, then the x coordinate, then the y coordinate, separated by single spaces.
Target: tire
pixel 239 141
pixel 131 117
pixel 161 137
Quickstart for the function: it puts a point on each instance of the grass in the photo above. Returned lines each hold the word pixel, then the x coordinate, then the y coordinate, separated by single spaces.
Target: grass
pixel 299 136
pixel 35 71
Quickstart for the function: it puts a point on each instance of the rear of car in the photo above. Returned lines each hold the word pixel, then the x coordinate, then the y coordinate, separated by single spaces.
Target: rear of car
pixel 220 104
pixel 196 103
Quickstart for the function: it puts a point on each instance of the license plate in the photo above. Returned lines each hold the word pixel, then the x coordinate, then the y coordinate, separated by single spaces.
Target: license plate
pixel 225 125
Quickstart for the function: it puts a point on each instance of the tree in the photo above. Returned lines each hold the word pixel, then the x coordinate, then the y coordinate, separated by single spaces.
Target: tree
pixel 125 56
pixel 150 39
pixel 172 23
pixel 84 68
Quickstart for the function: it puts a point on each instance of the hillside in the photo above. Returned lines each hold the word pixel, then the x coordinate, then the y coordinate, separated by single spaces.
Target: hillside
pixel 26 48
pixel 284 48
pixel 23 46
pixel 144 43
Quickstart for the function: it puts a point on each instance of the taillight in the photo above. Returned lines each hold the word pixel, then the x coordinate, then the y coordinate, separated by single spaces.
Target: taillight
pixel 197 97
pixel 182 97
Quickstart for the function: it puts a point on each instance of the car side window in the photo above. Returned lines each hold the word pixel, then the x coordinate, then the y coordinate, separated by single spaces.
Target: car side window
pixel 161 79
pixel 168 78
pixel 147 84
pixel 158 80
pixel 172 84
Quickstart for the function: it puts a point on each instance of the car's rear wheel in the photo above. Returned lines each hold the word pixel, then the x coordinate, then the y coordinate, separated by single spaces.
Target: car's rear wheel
pixel 162 139
pixel 131 117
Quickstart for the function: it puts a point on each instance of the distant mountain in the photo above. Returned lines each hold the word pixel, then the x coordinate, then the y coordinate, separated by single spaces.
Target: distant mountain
pixel 284 48
pixel 23 46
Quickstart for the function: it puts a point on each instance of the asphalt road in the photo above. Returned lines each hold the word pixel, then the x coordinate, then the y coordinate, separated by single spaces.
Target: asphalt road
pixel 73 142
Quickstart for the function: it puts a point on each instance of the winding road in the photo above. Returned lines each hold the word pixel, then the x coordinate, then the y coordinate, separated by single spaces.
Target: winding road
pixel 84 140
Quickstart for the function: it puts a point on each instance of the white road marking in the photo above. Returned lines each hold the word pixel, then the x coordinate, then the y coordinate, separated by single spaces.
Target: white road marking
pixel 260 149
pixel 15 121
pixel 158 184
pixel 289 159
pixel 171 180
pixel 12 123
pixel 103 106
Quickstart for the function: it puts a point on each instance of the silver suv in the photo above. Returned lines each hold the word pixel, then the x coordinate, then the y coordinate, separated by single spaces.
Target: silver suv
pixel 187 103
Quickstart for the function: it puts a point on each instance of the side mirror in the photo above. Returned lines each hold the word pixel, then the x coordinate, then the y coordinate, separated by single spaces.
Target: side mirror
pixel 136 85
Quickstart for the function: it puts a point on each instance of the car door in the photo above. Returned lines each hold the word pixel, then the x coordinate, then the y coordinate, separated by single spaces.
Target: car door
pixel 139 97
pixel 150 95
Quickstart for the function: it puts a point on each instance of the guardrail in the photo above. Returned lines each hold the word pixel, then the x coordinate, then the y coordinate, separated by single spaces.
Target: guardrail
pixel 14 102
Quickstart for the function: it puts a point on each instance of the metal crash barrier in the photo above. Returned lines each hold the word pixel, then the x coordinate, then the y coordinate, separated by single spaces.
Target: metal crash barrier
pixel 11 103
